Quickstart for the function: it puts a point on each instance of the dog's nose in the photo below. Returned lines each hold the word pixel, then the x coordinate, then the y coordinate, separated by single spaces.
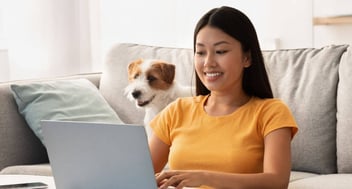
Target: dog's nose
pixel 136 94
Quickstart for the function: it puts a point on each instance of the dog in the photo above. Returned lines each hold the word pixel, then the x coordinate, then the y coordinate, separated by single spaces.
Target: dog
pixel 152 86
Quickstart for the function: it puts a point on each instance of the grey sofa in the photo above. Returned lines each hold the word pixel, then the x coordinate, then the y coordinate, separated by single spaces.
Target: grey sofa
pixel 315 83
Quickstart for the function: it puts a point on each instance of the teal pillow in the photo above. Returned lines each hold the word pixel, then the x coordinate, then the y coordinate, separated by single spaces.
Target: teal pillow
pixel 66 100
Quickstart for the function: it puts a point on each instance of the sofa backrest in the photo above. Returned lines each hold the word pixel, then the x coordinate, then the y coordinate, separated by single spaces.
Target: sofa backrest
pixel 18 143
pixel 344 114
pixel 306 79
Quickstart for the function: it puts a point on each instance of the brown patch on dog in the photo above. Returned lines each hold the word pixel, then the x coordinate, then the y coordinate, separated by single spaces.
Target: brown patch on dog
pixel 161 75
pixel 134 69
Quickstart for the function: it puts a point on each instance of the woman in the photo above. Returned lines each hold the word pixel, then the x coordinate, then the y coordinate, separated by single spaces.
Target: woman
pixel 233 134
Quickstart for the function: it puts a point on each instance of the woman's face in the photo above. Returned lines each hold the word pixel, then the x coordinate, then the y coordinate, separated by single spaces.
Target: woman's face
pixel 219 60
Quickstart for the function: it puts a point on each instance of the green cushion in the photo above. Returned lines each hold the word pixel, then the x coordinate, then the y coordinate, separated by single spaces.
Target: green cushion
pixel 68 100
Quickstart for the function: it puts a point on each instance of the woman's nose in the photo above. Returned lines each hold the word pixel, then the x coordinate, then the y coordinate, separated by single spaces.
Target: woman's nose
pixel 209 60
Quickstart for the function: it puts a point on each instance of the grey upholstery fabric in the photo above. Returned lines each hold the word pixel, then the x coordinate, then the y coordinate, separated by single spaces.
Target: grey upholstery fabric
pixel 295 175
pixel 332 181
pixel 34 169
pixel 344 114
pixel 18 144
pixel 306 79
pixel 114 78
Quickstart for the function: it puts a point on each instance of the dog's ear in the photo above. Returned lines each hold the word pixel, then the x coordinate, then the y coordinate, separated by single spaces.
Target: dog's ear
pixel 133 70
pixel 166 70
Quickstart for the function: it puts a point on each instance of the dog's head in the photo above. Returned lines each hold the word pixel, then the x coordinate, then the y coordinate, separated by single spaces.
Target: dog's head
pixel 148 80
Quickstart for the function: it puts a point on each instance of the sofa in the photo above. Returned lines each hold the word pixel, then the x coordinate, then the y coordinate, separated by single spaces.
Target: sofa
pixel 316 83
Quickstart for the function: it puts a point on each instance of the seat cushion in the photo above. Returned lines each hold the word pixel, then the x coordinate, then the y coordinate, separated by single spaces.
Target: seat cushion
pixel 337 181
pixel 35 169
pixel 296 175
pixel 306 79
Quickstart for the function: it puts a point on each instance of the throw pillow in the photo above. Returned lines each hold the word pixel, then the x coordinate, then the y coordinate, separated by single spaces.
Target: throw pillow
pixel 68 100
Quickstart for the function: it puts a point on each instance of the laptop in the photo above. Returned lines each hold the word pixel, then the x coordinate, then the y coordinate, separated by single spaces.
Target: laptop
pixel 98 155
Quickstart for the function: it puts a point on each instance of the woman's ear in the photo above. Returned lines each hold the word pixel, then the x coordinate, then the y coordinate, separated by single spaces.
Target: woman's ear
pixel 247 59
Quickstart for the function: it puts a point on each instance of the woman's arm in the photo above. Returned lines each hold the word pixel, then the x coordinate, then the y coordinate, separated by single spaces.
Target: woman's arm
pixel 159 152
pixel 276 171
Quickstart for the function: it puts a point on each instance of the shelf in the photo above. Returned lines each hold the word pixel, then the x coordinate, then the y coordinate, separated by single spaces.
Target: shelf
pixel 334 20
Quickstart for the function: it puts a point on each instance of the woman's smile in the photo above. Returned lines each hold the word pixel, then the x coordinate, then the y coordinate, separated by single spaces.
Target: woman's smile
pixel 212 76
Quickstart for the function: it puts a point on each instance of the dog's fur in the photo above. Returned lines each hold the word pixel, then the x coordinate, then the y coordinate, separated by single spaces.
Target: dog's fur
pixel 152 86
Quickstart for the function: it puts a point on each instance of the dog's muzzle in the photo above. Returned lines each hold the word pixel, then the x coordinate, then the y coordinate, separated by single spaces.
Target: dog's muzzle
pixel 137 94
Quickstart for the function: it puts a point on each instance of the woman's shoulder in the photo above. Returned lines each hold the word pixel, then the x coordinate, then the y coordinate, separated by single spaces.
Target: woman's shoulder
pixel 267 100
pixel 187 102
pixel 191 100
pixel 268 103
pixel 275 112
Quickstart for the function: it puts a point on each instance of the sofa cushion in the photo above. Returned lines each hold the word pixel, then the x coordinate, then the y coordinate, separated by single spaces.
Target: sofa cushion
pixel 35 169
pixel 114 77
pixel 296 175
pixel 336 181
pixel 18 144
pixel 344 114
pixel 306 79
pixel 74 100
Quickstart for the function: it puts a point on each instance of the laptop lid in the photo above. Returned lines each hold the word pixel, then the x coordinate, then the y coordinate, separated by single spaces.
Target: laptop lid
pixel 97 155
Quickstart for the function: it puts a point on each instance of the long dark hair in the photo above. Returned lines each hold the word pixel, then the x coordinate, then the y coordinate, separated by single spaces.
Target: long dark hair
pixel 236 24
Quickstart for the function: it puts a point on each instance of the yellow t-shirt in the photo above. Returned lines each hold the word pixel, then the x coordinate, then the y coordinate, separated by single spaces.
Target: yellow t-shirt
pixel 231 143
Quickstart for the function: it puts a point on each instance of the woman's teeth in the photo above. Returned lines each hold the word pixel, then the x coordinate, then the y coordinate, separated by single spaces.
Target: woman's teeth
pixel 213 74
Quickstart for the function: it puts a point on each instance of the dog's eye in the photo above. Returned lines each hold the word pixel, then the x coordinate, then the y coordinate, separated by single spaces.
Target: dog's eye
pixel 151 78
pixel 135 76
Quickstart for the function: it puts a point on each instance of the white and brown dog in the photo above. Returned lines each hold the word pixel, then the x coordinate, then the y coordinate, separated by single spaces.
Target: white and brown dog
pixel 152 86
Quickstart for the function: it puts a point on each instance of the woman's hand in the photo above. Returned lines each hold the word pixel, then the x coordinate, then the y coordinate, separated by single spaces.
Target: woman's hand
pixel 180 179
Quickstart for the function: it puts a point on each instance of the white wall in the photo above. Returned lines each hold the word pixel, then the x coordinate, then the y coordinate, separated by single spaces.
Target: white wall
pixel 4 65
pixel 45 38
pixel 171 23
pixel 39 33
pixel 332 34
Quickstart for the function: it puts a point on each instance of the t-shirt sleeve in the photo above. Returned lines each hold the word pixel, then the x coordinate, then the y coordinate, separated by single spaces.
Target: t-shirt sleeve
pixel 161 123
pixel 277 115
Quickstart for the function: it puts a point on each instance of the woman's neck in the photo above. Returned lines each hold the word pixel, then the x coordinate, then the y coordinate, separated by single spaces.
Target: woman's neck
pixel 219 104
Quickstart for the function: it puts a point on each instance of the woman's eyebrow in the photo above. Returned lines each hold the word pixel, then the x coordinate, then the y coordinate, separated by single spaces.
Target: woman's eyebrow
pixel 200 44
pixel 215 44
pixel 221 42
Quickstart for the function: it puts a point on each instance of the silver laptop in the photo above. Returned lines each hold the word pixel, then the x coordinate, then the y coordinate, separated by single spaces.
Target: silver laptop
pixel 98 156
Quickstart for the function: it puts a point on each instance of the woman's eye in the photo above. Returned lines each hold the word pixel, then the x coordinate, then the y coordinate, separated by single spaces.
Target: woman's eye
pixel 200 53
pixel 221 52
